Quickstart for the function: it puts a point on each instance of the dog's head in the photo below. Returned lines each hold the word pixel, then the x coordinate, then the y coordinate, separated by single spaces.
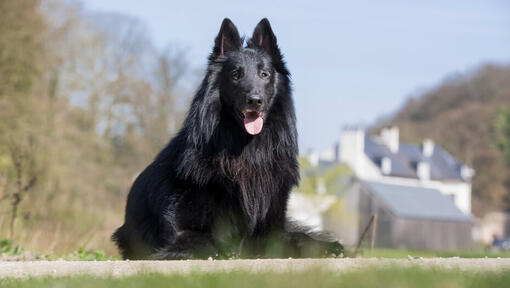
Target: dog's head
pixel 249 75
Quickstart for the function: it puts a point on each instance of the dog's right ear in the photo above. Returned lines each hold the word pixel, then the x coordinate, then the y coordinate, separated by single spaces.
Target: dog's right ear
pixel 228 39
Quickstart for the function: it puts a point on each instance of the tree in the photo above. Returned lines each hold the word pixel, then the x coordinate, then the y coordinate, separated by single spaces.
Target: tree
pixel 85 102
pixel 22 97
pixel 502 141
pixel 502 132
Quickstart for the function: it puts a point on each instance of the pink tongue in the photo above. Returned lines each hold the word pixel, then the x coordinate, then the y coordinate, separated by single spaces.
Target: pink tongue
pixel 253 124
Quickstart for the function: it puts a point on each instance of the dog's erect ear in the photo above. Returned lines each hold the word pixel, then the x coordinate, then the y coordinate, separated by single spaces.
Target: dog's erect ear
pixel 228 39
pixel 264 38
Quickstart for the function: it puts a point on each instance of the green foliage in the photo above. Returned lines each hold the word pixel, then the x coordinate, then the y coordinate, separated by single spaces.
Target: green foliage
pixel 502 132
pixel 16 252
pixel 7 248
pixel 359 278
pixel 332 178
pixel 88 255
pixel 304 163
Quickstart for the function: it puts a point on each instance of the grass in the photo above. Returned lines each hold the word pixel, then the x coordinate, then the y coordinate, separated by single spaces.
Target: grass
pixel 384 277
pixel 8 249
pixel 88 255
pixel 393 253
pixel 11 251
pixel 373 277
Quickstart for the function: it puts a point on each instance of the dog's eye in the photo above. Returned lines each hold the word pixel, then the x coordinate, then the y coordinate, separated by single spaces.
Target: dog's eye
pixel 236 74
pixel 264 74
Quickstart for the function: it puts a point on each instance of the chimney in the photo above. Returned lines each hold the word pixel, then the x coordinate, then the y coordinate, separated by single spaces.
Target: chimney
pixel 423 170
pixel 386 165
pixel 427 148
pixel 352 147
pixel 389 137
pixel 467 172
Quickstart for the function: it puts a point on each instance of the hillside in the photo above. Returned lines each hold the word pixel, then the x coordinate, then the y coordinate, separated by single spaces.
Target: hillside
pixel 469 116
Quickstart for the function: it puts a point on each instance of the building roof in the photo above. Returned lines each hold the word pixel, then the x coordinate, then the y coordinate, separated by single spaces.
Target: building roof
pixel 443 166
pixel 416 202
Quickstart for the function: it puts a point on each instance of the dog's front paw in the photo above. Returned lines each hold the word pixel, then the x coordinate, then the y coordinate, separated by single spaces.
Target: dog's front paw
pixel 333 249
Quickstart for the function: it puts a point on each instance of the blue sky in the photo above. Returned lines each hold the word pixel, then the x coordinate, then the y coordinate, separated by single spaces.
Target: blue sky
pixel 351 61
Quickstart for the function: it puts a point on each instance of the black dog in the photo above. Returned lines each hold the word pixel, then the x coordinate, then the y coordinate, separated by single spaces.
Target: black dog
pixel 220 187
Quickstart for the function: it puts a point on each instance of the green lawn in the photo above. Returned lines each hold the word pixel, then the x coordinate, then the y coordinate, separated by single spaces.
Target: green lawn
pixel 386 277
pixel 393 253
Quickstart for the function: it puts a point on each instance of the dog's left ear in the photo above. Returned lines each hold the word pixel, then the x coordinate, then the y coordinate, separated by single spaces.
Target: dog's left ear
pixel 264 38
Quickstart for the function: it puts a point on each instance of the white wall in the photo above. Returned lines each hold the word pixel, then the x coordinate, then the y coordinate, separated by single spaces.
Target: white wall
pixel 352 152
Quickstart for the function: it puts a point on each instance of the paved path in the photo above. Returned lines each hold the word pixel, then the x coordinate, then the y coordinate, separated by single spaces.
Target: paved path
pixel 123 268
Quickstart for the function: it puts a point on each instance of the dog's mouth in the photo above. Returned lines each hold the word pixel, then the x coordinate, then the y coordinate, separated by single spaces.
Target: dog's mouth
pixel 253 121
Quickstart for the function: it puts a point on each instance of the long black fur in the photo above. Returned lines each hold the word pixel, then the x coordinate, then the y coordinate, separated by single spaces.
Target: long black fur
pixel 215 190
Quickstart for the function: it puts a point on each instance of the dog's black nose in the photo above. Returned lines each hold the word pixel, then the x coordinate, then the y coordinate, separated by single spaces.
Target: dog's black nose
pixel 254 101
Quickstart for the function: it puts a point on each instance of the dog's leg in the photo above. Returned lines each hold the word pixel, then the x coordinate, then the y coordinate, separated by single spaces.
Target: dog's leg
pixel 307 243
pixel 188 245
pixel 304 245
pixel 284 244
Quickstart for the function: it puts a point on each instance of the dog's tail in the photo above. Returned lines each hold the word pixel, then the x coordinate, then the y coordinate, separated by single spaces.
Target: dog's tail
pixel 120 239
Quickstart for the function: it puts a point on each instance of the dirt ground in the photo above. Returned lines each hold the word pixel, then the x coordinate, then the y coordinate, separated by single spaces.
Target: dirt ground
pixel 124 268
